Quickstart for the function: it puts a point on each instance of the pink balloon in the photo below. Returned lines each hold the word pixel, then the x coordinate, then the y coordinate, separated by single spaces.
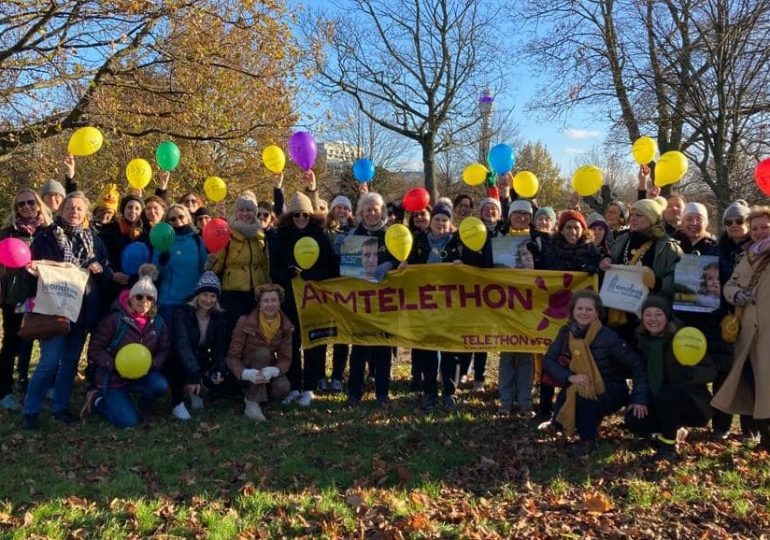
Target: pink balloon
pixel 302 149
pixel 14 253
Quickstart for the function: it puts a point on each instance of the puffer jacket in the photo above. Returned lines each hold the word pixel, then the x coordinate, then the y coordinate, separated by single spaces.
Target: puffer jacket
pixel 243 264
pixel 193 355
pixel 247 338
pixel 555 253
pixel 180 267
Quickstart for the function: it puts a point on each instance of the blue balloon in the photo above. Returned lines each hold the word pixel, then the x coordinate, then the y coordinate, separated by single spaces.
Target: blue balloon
pixel 501 159
pixel 363 170
pixel 134 255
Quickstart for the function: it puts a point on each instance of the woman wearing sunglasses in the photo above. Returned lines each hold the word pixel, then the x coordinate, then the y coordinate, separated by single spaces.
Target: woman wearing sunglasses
pixel 27 215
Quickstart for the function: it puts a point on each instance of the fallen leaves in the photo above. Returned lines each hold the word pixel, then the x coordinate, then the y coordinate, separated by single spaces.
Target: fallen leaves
pixel 597 503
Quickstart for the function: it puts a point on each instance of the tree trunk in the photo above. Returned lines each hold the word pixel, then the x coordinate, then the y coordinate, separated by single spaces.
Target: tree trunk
pixel 427 162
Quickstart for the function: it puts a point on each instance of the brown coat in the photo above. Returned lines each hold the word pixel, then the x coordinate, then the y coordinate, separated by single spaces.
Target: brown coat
pixel 247 338
pixel 737 395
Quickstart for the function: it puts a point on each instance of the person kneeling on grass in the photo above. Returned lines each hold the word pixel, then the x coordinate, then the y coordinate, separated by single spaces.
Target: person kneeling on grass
pixel 678 394
pixel 260 351
pixel 134 319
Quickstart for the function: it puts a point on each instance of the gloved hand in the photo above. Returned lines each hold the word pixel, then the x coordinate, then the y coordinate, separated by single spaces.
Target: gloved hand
pixel 382 269
pixel 743 298
pixel 250 375
pixel 270 372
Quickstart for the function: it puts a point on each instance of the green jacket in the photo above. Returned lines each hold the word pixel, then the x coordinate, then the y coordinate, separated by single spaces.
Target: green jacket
pixel 667 254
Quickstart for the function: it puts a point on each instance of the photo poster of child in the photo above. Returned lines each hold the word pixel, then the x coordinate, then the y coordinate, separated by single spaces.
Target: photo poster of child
pixel 697 286
pixel 358 257
pixel 511 252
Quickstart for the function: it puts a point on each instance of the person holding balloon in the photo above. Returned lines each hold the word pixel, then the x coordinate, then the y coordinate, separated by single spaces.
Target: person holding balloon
pixel 67 239
pixel 746 390
pixel 27 215
pixel 127 228
pixel 126 356
pixel 679 396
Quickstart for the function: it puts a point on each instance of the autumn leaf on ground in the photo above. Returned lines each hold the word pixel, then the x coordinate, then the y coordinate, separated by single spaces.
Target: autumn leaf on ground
pixel 418 522
pixel 597 503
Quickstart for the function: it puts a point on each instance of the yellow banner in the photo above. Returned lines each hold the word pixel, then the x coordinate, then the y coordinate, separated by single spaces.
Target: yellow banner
pixel 440 307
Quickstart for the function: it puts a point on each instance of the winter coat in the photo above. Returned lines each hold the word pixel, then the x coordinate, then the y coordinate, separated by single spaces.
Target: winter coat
pixel 666 253
pixel 180 267
pixel 247 338
pixel 738 395
pixel 555 253
pixel 101 359
pixel 454 250
pixel 704 246
pixel 115 242
pixel 243 264
pixel 729 253
pixel 613 357
pixel 210 355
pixel 16 284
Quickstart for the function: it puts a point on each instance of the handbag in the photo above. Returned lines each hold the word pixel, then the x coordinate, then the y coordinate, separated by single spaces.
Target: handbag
pixel 39 326
pixel 730 325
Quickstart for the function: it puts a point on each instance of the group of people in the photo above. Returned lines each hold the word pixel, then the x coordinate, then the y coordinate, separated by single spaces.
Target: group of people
pixel 233 321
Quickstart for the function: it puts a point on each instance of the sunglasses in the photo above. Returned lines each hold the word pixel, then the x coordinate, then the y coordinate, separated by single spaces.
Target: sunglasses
pixel 304 215
pixel 143 297
pixel 736 221
pixel 21 204
pixel 190 201
pixel 263 215
pixel 174 219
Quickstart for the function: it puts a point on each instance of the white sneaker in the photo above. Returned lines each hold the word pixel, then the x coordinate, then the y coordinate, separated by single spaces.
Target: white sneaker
pixel 253 411
pixel 292 397
pixel 180 412
pixel 196 402
pixel 305 399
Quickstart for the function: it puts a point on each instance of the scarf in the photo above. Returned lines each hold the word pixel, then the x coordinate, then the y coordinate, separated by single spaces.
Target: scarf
pixel 29 226
pixel 437 246
pixel 760 247
pixel 654 350
pixel 249 230
pixel 75 241
pixel 131 230
pixel 581 362
pixel 375 228
pixel 269 328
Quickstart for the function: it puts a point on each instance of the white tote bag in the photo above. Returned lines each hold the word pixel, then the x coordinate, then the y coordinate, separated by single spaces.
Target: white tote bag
pixel 60 289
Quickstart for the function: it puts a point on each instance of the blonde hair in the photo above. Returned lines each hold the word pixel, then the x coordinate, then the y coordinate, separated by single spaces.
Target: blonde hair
pixel 78 195
pixel 179 208
pixel 42 208
pixel 758 212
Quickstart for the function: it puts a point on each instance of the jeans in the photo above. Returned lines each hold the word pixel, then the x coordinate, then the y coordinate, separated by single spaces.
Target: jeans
pixel 516 374
pixel 12 346
pixel 59 356
pixel 117 407
pixel 589 412
pixel 380 356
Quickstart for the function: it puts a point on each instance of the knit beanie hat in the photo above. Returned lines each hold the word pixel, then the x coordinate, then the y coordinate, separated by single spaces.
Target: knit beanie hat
pixel 658 301
pixel 53 186
pixel 546 211
pixel 446 201
pixel 341 200
pixel 300 203
pixel 595 218
pixel 520 205
pixel 739 208
pixel 246 201
pixel 622 207
pixel 568 215
pixel 649 209
pixel 208 282
pixel 108 198
pixel 147 274
pixel 202 211
pixel 696 208
pixel 128 198
pixel 662 201
pixel 442 209
pixel 490 200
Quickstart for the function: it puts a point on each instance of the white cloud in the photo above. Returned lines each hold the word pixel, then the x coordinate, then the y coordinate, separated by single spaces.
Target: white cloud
pixel 581 133
pixel 573 151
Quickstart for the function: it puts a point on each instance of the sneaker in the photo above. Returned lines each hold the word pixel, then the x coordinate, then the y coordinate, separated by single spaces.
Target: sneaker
pixel 305 399
pixel 540 419
pixel 478 386
pixel 196 402
pixel 90 404
pixel 450 403
pixel 180 412
pixel 464 379
pixel 29 423
pixel 428 403
pixel 505 408
pixel 10 403
pixel 322 386
pixel 291 398
pixel 582 449
pixel 253 411
pixel 720 434
pixel 681 435
pixel 336 386
pixel 65 416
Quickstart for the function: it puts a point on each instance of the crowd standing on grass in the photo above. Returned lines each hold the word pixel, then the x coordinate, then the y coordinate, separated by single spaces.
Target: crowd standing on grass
pixel 233 322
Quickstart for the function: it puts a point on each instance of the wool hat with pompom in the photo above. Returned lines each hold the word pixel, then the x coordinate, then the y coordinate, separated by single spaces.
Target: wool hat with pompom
pixel 145 286
pixel 208 282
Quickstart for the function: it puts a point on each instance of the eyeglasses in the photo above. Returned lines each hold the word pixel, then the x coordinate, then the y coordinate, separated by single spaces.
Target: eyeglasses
pixel 143 297
pixel 21 204
pixel 303 215
pixel 263 215
pixel 190 201
pixel 736 221
pixel 174 219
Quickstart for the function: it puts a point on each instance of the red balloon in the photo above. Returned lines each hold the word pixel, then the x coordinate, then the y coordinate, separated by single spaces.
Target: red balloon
pixel 416 199
pixel 216 234
pixel 762 176
pixel 14 253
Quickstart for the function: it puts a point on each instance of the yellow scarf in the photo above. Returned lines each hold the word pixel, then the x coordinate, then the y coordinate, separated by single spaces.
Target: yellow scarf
pixel 582 362
pixel 269 328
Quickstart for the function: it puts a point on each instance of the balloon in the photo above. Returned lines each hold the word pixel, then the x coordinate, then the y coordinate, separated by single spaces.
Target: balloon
pixel 525 184
pixel 85 141
pixel 162 236
pixel 474 174
pixel 306 252
pixel 501 158
pixel 670 168
pixel 398 240
pixel 216 235
pixel 302 149
pixel 133 361
pixel 762 176
pixel 14 253
pixel 644 150
pixel 133 256
pixel 473 233
pixel 363 170
pixel 167 155
pixel 587 180
pixel 689 346
pixel 274 158
pixel 416 199
pixel 215 189
pixel 138 173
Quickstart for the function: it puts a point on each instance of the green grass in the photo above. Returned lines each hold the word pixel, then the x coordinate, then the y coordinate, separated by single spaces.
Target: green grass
pixel 331 472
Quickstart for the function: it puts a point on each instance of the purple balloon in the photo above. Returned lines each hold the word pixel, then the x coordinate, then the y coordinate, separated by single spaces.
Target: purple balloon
pixel 302 149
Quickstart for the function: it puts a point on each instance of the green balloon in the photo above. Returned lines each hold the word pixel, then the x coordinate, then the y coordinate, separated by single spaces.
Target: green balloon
pixel 162 236
pixel 167 155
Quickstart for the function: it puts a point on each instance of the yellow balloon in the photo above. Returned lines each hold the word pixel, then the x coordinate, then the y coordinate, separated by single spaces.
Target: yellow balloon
pixel 473 233
pixel 689 346
pixel 306 252
pixel 215 189
pixel 133 361
pixel 670 168
pixel 587 180
pixel 398 240
pixel 474 174
pixel 274 158
pixel 525 184
pixel 85 141
pixel 138 173
pixel 644 150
